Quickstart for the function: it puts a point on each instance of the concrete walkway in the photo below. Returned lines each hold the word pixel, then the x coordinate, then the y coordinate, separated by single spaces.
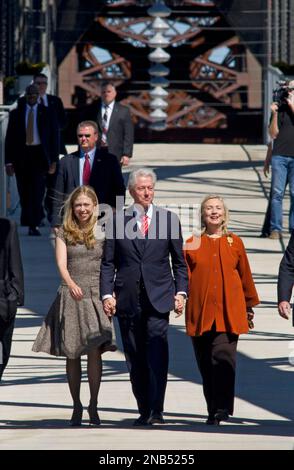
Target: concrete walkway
pixel 34 397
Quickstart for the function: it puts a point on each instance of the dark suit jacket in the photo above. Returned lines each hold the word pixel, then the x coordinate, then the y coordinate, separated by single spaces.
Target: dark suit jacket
pixel 286 273
pixel 55 105
pixel 138 260
pixel 120 134
pixel 15 141
pixel 10 260
pixel 106 179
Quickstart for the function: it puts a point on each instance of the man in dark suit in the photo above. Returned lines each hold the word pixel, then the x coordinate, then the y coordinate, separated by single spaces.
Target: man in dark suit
pixel 31 152
pixel 115 125
pixel 55 107
pixel 11 286
pixel 53 103
pixel 286 281
pixel 88 166
pixel 137 282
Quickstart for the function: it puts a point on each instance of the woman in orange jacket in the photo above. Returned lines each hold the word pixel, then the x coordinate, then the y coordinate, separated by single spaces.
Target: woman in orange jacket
pixel 219 306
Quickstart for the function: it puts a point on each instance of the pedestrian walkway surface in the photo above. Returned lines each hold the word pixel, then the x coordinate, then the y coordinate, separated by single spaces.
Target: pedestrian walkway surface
pixel 34 397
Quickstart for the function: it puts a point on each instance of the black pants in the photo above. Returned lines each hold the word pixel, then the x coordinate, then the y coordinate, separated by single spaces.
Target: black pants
pixel 144 337
pixel 216 357
pixel 6 332
pixel 31 183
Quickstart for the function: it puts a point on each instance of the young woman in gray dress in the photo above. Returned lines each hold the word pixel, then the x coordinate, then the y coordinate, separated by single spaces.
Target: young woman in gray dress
pixel 76 324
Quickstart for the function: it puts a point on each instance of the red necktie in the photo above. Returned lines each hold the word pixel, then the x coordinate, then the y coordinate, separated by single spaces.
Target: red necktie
pixel 86 170
pixel 144 224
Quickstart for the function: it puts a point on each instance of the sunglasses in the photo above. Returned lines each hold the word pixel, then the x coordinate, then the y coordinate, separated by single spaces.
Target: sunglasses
pixel 41 83
pixel 84 135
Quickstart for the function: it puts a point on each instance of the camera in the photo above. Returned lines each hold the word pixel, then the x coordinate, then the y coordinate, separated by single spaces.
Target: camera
pixel 280 94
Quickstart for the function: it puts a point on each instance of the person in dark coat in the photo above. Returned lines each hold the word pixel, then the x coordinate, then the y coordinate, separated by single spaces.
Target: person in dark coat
pixel 31 152
pixel 138 283
pixel 11 286
pixel 286 281
pixel 88 166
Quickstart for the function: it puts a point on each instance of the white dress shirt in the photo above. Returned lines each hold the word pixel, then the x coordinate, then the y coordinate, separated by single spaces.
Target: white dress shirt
pixel 109 108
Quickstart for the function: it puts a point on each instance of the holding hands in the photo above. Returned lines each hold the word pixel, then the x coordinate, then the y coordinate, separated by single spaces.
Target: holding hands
pixel 179 304
pixel 109 306
pixel 284 309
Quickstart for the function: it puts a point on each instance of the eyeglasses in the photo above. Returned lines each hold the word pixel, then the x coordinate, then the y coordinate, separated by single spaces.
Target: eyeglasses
pixel 41 83
pixel 84 135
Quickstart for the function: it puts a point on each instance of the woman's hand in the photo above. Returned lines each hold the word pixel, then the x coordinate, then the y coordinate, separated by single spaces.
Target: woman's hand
pixel 75 291
pixel 250 316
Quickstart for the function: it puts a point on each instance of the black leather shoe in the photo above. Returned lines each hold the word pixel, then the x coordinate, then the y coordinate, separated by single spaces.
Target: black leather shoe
pixel 34 231
pixel 211 420
pixel 156 418
pixel 142 421
pixel 221 415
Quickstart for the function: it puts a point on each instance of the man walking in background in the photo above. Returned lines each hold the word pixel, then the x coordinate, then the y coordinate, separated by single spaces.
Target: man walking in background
pixel 114 122
pixel 87 166
pixel 31 152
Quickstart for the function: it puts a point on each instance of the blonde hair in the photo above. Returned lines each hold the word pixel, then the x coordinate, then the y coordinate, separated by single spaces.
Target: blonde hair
pixel 73 234
pixel 224 226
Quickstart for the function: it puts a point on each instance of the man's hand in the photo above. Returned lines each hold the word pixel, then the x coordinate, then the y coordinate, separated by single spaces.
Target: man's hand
pixel 274 107
pixel 52 168
pixel 179 304
pixel 124 161
pixel 9 170
pixel 266 169
pixel 284 309
pixel 109 306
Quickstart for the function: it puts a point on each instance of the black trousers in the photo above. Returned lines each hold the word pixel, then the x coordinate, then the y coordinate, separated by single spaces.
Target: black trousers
pixel 216 358
pixel 31 184
pixel 6 332
pixel 145 343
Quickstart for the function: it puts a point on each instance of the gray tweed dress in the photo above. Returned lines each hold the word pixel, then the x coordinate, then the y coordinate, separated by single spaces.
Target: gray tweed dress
pixel 73 327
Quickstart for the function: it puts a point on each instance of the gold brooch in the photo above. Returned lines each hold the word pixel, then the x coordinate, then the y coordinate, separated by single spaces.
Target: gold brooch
pixel 230 240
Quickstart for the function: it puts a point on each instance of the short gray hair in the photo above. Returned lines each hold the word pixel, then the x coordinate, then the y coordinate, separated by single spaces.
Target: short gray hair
pixel 145 172
pixel 92 124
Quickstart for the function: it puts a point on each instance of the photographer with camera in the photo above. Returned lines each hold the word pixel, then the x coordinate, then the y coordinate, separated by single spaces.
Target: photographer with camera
pixel 281 130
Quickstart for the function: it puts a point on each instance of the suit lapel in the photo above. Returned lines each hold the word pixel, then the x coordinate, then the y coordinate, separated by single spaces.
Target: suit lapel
pixel 131 231
pixel 75 168
pixel 95 173
pixel 99 118
pixel 113 115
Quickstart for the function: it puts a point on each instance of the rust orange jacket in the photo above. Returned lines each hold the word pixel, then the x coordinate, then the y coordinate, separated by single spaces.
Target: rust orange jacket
pixel 238 287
